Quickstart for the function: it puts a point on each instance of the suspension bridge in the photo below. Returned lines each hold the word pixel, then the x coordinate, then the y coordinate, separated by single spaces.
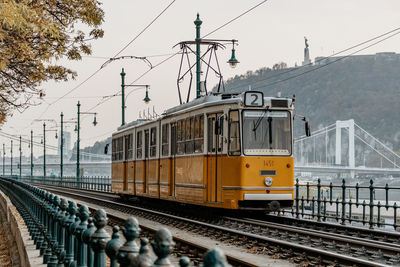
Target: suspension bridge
pixel 345 148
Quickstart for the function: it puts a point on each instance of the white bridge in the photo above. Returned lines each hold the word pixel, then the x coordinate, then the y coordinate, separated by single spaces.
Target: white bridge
pixel 344 147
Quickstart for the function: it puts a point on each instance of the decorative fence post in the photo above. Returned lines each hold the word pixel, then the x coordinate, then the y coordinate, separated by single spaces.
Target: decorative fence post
pixel 371 204
pixel 129 251
pixel 86 235
pixel 163 245
pixel 61 232
pixel 82 247
pixel 69 237
pixel 100 238
pixel 113 246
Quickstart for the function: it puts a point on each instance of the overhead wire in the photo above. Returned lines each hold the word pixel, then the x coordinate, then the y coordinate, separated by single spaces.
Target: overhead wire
pixel 235 18
pixel 172 55
pixel 120 51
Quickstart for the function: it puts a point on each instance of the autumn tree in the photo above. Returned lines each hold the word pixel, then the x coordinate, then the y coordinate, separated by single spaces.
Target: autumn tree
pixel 34 35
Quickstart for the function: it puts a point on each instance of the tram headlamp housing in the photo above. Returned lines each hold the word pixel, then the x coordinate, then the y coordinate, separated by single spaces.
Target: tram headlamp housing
pixel 268 181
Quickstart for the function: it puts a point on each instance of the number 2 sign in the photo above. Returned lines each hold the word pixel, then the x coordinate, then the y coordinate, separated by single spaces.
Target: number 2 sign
pixel 253 99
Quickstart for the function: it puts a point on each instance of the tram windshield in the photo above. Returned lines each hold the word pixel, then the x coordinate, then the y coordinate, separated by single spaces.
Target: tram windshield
pixel 266 132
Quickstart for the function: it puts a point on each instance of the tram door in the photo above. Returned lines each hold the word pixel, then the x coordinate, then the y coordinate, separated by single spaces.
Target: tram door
pixel 125 170
pixel 173 161
pixel 214 159
pixel 146 160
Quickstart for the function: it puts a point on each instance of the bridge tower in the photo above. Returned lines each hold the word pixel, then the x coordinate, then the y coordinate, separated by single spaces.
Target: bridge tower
pixel 349 124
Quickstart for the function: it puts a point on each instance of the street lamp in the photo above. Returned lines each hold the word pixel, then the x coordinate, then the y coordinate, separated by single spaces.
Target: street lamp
pixel 11 156
pixel 146 99
pixel 78 126
pixel 4 158
pixel 212 46
pixel 233 61
pixel 44 147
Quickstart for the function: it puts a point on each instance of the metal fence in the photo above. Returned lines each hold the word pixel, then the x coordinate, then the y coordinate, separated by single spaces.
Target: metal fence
pixel 66 236
pixel 363 205
pixel 98 183
pixel 348 204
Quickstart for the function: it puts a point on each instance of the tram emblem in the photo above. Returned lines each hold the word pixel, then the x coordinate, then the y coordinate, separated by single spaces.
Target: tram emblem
pixel 268 163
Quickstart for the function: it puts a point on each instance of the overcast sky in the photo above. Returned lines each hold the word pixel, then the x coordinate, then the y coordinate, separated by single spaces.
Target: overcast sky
pixel 271 33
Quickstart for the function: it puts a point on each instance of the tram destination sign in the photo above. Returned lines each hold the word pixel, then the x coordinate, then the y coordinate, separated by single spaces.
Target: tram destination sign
pixel 253 99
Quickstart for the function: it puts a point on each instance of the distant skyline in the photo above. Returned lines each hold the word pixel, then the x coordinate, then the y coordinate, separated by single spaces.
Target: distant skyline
pixel 271 33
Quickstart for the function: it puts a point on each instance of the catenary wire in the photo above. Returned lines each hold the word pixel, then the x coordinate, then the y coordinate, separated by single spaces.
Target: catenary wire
pixel 120 51
pixel 235 18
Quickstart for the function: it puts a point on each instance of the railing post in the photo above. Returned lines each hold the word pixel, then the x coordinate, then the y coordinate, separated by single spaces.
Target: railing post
pixel 86 235
pixel 357 194
pixel 343 202
pixel 319 200
pixel 215 256
pixel 61 230
pixel 297 198
pixel 163 245
pixel 82 247
pixel 113 246
pixel 387 196
pixel 371 204
pixel 100 238
pixel 69 236
pixel 129 250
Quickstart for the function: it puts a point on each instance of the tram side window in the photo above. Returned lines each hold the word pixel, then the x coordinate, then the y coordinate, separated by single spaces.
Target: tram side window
pixel 180 137
pixel 165 140
pixel 210 134
pixel 153 141
pixel 189 145
pixel 234 134
pixel 120 148
pixel 114 149
pixel 128 147
pixel 139 142
pixel 117 152
pixel 198 134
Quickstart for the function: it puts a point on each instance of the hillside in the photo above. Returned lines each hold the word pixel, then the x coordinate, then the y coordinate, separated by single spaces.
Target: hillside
pixel 365 88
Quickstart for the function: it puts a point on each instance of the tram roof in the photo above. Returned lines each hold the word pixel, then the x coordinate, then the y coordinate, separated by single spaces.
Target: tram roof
pixel 202 102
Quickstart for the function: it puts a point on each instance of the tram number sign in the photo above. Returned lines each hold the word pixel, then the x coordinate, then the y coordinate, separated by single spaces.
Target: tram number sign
pixel 253 99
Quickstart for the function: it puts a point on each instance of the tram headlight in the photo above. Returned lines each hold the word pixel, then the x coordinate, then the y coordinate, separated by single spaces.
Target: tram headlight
pixel 268 181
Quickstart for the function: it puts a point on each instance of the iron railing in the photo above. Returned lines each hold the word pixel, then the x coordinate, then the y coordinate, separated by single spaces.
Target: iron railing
pixel 363 205
pixel 370 205
pixel 66 236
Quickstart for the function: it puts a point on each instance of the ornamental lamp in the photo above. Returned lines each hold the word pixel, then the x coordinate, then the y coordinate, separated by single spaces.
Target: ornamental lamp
pixel 146 99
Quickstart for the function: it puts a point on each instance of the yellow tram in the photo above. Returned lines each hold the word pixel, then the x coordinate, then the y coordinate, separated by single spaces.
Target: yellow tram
pixel 231 151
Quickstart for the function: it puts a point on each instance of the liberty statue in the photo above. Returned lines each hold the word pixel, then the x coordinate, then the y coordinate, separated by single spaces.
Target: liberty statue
pixel 307 60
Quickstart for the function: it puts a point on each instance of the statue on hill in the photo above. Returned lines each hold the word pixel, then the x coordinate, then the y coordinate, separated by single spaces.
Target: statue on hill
pixel 307 60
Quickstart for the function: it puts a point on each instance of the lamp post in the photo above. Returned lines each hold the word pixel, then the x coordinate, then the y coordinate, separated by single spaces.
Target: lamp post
pixel 61 148
pixel 212 45
pixel 20 157
pixel 198 23
pixel 4 159
pixel 78 174
pixel 123 96
pixel 146 99
pixel 31 154
pixel 44 151
pixel 77 145
pixel 11 156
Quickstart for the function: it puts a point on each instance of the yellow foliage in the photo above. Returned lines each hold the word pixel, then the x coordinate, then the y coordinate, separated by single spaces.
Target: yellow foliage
pixel 35 33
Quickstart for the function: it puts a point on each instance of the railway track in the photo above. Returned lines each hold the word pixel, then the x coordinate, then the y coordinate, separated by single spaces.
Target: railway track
pixel 298 244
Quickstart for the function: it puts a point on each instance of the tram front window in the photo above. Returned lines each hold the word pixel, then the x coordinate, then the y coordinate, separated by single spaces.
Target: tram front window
pixel 266 133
